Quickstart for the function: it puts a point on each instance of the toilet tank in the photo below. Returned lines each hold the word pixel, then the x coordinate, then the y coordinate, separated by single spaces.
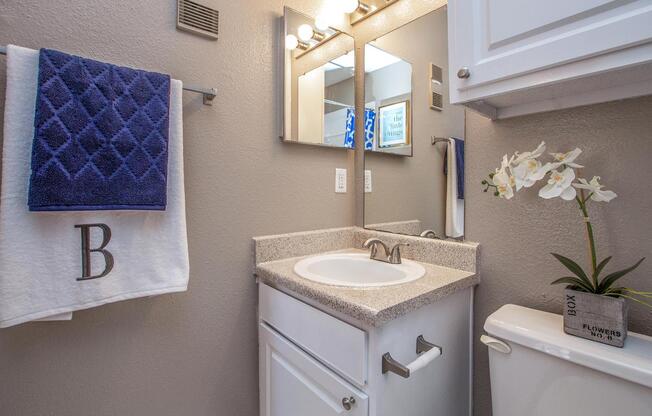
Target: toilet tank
pixel 538 370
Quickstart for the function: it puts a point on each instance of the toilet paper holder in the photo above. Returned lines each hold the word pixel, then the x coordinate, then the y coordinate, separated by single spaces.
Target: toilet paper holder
pixel 423 346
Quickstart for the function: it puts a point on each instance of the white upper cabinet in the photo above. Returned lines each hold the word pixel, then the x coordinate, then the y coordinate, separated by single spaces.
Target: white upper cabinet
pixel 513 57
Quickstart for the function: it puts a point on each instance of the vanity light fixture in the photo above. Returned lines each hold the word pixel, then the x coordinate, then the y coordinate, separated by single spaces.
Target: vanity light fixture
pixel 306 33
pixel 366 9
pixel 350 6
pixel 292 43
pixel 322 22
pixel 363 8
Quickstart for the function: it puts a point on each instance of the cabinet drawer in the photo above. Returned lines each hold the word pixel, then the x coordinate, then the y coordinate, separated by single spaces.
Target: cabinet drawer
pixel 340 346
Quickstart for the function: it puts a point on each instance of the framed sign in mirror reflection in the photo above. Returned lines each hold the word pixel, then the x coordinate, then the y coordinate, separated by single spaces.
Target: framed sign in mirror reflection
pixel 394 124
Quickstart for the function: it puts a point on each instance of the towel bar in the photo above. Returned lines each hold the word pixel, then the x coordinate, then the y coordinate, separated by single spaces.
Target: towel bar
pixel 423 346
pixel 434 140
pixel 208 93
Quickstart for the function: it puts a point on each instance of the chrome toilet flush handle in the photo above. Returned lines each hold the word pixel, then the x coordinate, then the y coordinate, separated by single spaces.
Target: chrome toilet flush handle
pixel 496 344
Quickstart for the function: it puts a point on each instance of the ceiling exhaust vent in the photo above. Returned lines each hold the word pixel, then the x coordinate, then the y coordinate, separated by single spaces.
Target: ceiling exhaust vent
pixel 197 18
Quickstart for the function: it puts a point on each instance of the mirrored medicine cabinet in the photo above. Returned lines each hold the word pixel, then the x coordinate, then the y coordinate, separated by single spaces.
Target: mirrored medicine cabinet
pixel 318 88
pixel 413 137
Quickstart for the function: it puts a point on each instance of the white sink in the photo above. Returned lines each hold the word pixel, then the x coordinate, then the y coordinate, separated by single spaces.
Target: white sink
pixel 357 270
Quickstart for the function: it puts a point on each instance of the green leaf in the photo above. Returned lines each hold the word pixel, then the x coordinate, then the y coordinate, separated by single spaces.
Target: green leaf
pixel 637 292
pixel 615 292
pixel 610 279
pixel 574 268
pixel 649 305
pixel 575 281
pixel 598 270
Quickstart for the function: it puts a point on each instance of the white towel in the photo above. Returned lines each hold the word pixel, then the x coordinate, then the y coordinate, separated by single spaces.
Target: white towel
pixel 40 253
pixel 454 206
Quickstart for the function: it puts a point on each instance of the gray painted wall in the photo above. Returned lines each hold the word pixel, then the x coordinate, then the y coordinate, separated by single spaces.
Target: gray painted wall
pixel 517 235
pixel 193 353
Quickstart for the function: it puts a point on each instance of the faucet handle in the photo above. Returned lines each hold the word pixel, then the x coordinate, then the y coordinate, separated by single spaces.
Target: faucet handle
pixel 373 244
pixel 429 234
pixel 395 254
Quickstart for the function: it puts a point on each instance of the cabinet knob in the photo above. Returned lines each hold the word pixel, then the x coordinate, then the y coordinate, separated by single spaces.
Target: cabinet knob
pixel 463 73
pixel 348 402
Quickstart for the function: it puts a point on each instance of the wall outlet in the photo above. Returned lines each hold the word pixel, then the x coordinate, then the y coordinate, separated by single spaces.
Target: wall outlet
pixel 340 181
pixel 367 182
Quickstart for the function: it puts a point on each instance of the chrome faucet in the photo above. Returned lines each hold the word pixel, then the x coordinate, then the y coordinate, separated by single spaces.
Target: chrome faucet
pixel 392 256
pixel 373 244
pixel 429 234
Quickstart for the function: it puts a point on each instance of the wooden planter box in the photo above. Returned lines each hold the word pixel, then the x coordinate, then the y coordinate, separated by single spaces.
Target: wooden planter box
pixel 595 317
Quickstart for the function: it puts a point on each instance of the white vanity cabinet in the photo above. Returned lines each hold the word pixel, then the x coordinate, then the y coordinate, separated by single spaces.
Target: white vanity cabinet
pixel 313 363
pixel 295 384
pixel 513 57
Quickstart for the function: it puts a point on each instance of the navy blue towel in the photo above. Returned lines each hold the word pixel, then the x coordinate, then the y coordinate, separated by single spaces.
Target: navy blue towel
pixel 101 136
pixel 459 159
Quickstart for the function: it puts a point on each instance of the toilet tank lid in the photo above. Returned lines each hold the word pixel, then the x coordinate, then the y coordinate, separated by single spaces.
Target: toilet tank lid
pixel 544 332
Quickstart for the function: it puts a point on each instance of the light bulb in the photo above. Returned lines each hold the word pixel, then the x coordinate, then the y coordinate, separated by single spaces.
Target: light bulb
pixel 305 32
pixel 349 6
pixel 322 22
pixel 291 42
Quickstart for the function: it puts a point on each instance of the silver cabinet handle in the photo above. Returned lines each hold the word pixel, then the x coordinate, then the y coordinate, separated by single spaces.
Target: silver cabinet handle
pixel 463 73
pixel 348 402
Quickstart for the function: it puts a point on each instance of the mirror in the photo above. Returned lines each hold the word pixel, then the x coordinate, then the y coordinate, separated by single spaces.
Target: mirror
pixel 388 99
pixel 318 69
pixel 407 97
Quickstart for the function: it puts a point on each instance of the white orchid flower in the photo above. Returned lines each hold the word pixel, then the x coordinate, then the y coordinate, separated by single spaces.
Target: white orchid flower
pixel 503 181
pixel 526 169
pixel 525 156
pixel 559 185
pixel 528 172
pixel 567 159
pixel 594 187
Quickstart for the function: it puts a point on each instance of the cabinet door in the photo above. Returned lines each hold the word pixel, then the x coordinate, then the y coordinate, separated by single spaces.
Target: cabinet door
pixel 502 39
pixel 294 384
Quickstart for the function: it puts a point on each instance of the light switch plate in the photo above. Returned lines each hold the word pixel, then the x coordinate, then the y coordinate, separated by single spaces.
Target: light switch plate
pixel 340 181
pixel 367 182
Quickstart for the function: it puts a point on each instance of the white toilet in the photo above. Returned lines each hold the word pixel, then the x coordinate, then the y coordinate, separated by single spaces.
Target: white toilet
pixel 538 370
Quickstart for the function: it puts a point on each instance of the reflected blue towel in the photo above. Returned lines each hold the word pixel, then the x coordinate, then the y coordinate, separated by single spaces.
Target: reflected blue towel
pixel 459 159
pixel 101 136
pixel 369 129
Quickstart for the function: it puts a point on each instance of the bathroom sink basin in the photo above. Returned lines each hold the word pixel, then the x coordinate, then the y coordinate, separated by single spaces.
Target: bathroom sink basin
pixel 357 270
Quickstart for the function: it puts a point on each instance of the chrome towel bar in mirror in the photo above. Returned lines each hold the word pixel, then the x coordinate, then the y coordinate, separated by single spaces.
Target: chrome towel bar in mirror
pixel 434 140
pixel 426 352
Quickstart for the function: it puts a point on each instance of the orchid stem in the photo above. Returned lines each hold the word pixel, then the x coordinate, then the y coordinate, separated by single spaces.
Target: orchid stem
pixel 581 200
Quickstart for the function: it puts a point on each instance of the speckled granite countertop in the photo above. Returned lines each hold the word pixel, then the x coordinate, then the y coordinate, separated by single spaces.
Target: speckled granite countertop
pixel 370 306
